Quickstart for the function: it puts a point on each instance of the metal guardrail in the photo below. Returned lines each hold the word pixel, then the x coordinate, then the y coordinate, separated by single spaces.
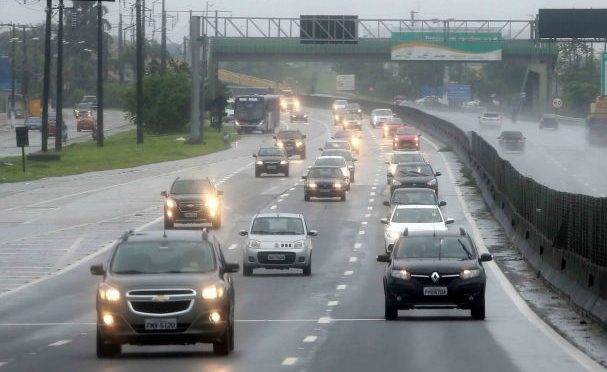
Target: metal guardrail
pixel 250 27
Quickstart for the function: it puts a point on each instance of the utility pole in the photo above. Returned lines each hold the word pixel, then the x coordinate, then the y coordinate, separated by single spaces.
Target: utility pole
pixel 99 74
pixel 163 41
pixel 13 72
pixel 24 78
pixel 195 117
pixel 120 57
pixel 139 68
pixel 47 76
pixel 59 103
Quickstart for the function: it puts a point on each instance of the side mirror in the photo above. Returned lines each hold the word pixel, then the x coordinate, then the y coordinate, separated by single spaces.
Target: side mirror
pixel 304 136
pixel 219 192
pixel 313 233
pixel 97 269
pixel 485 257
pixel 449 221
pixel 164 193
pixel 383 220
pixel 243 233
pixel 321 149
pixel 442 203
pixel 383 258
pixel 390 247
pixel 386 203
pixel 274 137
pixel 419 135
pixel 438 174
pixel 254 155
pixel 231 268
pixel 304 177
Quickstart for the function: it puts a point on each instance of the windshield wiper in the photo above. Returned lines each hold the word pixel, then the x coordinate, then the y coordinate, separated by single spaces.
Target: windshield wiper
pixel 129 272
pixel 260 232
pixel 288 233
pixel 465 249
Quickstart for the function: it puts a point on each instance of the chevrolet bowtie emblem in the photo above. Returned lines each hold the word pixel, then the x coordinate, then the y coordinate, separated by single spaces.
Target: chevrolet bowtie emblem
pixel 160 298
pixel 435 277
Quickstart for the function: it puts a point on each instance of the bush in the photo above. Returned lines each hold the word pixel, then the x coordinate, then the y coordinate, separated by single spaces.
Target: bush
pixel 113 94
pixel 166 102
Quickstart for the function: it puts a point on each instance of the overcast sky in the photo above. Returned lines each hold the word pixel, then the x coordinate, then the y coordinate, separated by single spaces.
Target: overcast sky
pixel 32 11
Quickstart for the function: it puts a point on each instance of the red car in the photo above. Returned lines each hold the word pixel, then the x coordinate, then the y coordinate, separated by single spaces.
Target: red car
pixel 85 121
pixel 406 138
pixel 390 127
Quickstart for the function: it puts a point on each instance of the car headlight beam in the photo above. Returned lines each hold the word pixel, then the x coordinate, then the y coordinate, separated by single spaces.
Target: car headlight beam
pixel 110 294
pixel 400 274
pixel 213 292
pixel 212 203
pixel 469 274
pixel 171 204
pixel 431 183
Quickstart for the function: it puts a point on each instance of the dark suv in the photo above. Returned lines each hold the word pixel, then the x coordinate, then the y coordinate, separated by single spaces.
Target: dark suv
pixel 418 174
pixel 192 201
pixel 162 288
pixel 324 182
pixel 292 141
pixel 271 160
pixel 434 270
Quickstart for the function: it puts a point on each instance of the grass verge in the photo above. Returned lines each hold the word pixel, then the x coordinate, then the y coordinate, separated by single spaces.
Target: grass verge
pixel 120 151
pixel 468 177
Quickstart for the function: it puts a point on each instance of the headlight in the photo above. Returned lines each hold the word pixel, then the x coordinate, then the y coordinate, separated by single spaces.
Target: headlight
pixel 298 143
pixel 259 162
pixel 170 203
pixel 469 274
pixel 431 182
pixel 336 117
pixel 355 141
pixel 299 244
pixel 396 183
pixel 236 122
pixel 279 144
pixel 283 104
pixel 212 203
pixel 312 185
pixel 296 104
pixel 283 162
pixel 213 292
pixel 337 185
pixel 107 293
pixel 400 274
pixel 254 244
pixel 359 111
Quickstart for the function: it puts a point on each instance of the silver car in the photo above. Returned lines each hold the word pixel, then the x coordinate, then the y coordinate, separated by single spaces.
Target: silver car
pixel 278 241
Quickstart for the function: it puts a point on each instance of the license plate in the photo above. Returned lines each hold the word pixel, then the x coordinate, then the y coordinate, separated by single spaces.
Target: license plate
pixel 271 167
pixel 276 257
pixel 289 147
pixel 325 190
pixel 190 214
pixel 435 291
pixel 160 324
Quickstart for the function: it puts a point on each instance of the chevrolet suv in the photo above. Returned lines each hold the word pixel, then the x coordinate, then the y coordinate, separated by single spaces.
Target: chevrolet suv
pixel 192 201
pixel 278 241
pixel 165 288
pixel 292 141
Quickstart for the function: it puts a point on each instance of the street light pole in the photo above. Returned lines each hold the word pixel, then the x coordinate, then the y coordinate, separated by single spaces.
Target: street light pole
pixel 59 87
pixel 25 82
pixel 99 74
pixel 139 69
pixel 163 41
pixel 13 73
pixel 47 76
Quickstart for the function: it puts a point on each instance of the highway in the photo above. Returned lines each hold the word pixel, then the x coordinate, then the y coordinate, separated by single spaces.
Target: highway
pixel 560 159
pixel 114 121
pixel 52 230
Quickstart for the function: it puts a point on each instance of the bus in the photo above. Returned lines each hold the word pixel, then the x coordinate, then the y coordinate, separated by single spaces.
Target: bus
pixel 256 113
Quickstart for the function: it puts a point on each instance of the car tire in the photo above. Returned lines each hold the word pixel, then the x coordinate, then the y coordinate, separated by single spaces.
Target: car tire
pixel 168 224
pixel 477 312
pixel 246 270
pixel 343 196
pixel 216 223
pixel 222 347
pixel 287 172
pixel 307 271
pixel 306 196
pixel 105 349
pixel 257 173
pixel 390 311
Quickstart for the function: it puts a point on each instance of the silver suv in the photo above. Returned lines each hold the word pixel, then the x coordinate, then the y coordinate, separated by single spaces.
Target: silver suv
pixel 278 241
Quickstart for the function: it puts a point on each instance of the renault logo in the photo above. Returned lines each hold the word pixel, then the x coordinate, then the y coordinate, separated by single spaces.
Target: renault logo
pixel 160 298
pixel 435 277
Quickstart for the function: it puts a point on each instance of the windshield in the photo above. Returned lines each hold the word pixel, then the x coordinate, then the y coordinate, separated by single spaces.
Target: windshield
pixel 407 158
pixel 417 215
pixel 325 173
pixel 344 154
pixel 337 145
pixel 512 135
pixel 336 162
pixel 278 226
pixel 404 196
pixel 435 248
pixel 249 108
pixel 158 257
pixel 289 134
pixel 406 131
pixel 395 121
pixel 192 187
pixel 411 170
pixel 383 113
pixel 491 115
pixel 270 151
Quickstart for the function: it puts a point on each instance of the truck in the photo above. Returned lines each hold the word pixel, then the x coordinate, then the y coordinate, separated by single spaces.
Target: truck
pixel 596 123
pixel 256 113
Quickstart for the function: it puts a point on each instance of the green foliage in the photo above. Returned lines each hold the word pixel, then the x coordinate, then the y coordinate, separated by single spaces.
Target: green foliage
pixel 113 94
pixel 578 73
pixel 166 102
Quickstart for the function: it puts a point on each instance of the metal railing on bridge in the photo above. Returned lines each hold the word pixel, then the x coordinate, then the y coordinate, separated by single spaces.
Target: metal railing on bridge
pixel 250 27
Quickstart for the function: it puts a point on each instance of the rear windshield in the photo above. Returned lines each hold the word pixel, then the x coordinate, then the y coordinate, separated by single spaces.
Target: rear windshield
pixel 417 215
pixel 383 112
pixel 325 173
pixel 512 135
pixel 160 257
pixel 407 158
pixel 414 197
pixel 435 248
pixel 395 121
pixel 289 134
pixel 491 115
pixel 335 162
pixel 344 154
pixel 406 170
pixel 192 187
pixel 406 131
pixel 277 226
pixel 270 151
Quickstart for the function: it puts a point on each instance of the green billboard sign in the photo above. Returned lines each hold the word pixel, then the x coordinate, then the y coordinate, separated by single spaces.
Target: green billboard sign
pixel 453 46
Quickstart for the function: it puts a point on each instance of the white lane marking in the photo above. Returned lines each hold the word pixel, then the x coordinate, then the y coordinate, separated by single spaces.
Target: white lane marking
pixel 332 303
pixel 353 259
pixel 357 245
pixel 273 207
pixel 233 246
pixel 288 361
pixel 370 208
pixel 372 193
pixel 279 200
pixel 364 222
pixel 361 232
pixel 285 195
pixel 374 188
pixel 371 200
pixel 292 188
pixel 341 287
pixel 3 364
pixel 310 339
pixel 348 272
pixel 59 343
pixel 31 220
pixel 324 320
pixel 367 215
pixel 507 286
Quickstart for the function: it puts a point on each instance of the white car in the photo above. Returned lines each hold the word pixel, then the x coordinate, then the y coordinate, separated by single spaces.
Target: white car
pixel 379 116
pixel 413 217
pixel 337 144
pixel 399 157
pixel 335 161
pixel 340 104
pixel 278 241
pixel 490 119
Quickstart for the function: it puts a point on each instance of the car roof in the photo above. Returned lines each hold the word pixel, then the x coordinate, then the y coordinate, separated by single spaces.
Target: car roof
pixel 162 235
pixel 416 206
pixel 330 157
pixel 278 215
pixel 413 163
pixel 406 152
pixel 405 190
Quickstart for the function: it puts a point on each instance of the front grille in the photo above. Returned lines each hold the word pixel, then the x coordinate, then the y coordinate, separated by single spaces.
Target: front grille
pixel 161 292
pixel 262 257
pixel 427 281
pixel 324 185
pixel 151 307
pixel 190 206
pixel 270 163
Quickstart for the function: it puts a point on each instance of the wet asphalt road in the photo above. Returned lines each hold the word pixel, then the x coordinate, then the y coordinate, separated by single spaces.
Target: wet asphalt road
pixel 331 321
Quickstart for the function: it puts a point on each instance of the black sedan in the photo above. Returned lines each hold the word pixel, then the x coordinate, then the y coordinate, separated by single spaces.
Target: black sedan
pixel 298 115
pixel 271 160
pixel 292 141
pixel 324 182
pixel 415 196
pixel 435 270
pixel 418 174
pixel 512 141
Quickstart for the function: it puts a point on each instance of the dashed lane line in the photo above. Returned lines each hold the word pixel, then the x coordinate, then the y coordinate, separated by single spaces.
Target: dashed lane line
pixel 289 361
pixel 60 343
pixel 348 272
pixel 310 339
pixel 341 287
pixel 233 246
pixel 353 259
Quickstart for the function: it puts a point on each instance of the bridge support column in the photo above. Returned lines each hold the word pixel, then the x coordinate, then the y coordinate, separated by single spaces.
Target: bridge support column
pixel 539 87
